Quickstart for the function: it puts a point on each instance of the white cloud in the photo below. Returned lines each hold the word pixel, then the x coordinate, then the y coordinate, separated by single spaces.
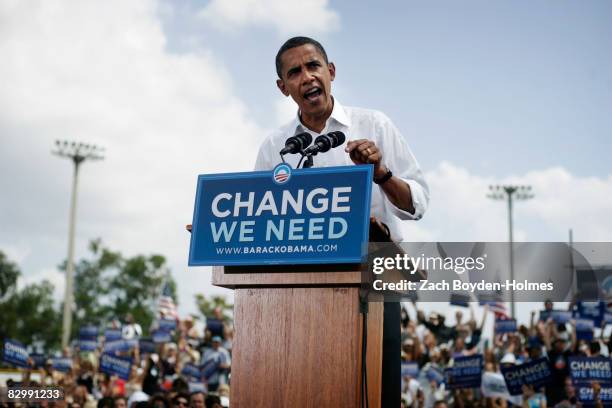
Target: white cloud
pixel 15 253
pixel 55 277
pixel 287 16
pixel 99 72
pixel 460 210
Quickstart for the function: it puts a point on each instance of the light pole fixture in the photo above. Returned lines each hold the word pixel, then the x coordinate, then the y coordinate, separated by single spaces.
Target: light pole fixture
pixel 78 153
pixel 510 193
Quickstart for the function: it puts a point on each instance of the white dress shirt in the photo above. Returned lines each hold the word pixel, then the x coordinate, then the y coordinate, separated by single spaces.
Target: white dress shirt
pixel 358 123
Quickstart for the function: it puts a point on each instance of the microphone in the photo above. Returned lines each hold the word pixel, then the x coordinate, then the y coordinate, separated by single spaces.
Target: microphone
pixel 326 142
pixel 297 143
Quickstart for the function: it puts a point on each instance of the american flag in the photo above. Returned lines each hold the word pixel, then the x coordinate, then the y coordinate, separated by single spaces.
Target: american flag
pixel 499 309
pixel 165 304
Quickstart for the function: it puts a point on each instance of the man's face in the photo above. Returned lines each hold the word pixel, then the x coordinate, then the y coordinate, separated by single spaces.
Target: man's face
pixel 120 403
pixel 306 77
pixel 197 400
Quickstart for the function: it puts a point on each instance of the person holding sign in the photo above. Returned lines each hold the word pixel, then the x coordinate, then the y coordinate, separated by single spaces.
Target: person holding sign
pixel 305 73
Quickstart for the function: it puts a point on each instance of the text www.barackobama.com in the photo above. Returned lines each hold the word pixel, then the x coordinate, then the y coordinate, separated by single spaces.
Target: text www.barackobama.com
pixel 278 249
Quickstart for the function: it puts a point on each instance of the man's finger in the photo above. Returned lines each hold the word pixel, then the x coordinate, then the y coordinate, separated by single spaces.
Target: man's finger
pixel 351 145
pixel 367 149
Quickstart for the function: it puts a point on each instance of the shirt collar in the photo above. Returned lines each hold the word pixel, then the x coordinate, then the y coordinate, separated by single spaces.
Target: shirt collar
pixel 338 114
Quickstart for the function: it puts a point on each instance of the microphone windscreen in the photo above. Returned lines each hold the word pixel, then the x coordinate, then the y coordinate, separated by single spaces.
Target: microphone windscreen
pixel 338 138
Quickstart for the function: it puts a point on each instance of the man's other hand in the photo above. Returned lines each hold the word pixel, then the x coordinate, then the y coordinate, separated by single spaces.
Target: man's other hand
pixel 364 151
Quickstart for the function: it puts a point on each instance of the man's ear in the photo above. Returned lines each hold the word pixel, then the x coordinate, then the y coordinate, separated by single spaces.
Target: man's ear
pixel 332 70
pixel 281 85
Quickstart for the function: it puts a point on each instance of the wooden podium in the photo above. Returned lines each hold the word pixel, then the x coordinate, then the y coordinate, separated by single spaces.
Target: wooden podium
pixel 298 334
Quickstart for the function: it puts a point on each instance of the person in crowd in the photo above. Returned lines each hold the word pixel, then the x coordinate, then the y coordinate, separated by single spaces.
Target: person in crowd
pixel 213 401
pixel 216 364
pixel 180 400
pixel 106 402
pixel 120 402
pixel 196 400
pixel 131 329
pixel 159 401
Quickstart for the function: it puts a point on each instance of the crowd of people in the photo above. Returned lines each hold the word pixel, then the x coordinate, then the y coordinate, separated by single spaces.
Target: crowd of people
pixel 433 345
pixel 159 377
pixel 163 377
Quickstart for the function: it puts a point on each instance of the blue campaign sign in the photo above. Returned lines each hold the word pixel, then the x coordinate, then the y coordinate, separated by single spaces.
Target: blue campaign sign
pixel 584 329
pixel 215 326
pixel 192 372
pixel 161 336
pixel 86 344
pixel 536 373
pixel 114 365
pixel 561 316
pixel 146 346
pixel 587 397
pixel 584 370
pixel 39 360
pixel 88 332
pixel 595 311
pixel 15 353
pixel 61 364
pixel 112 334
pixel 410 369
pixel 505 326
pixel 130 343
pixel 285 216
pixel 115 345
pixel 466 372
pixel 166 325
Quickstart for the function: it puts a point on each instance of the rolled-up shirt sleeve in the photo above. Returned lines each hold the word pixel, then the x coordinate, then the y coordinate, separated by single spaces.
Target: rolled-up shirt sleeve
pixel 398 157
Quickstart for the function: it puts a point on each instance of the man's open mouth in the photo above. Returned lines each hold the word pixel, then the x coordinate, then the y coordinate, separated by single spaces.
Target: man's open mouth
pixel 312 94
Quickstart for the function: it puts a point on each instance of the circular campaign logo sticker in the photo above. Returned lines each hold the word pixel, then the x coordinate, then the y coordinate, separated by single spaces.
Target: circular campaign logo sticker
pixel 281 173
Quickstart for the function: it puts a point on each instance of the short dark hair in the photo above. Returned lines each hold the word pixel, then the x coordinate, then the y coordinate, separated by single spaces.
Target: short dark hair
pixel 211 400
pixel 179 395
pixel 293 43
pixel 594 347
pixel 106 402
pixel 193 394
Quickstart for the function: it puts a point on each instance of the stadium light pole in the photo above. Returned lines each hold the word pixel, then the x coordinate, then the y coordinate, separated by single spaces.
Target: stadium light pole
pixel 510 193
pixel 78 153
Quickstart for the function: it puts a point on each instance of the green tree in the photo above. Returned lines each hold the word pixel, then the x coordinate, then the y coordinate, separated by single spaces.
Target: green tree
pixel 28 315
pixel 109 286
pixel 8 275
pixel 137 287
pixel 208 305
pixel 91 286
pixel 106 286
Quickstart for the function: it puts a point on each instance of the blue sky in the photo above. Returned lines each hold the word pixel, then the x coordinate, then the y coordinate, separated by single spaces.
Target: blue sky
pixel 485 92
pixel 498 87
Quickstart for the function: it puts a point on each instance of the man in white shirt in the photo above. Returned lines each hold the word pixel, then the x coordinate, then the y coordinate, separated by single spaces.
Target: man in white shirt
pixel 401 193
pixel 306 75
